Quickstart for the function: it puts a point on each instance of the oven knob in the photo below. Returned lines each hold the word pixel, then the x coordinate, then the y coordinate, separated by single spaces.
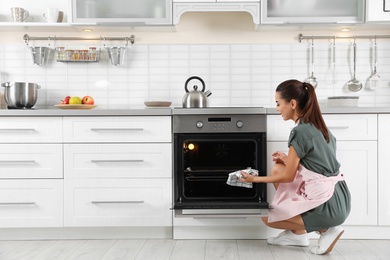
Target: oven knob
pixel 199 124
pixel 239 124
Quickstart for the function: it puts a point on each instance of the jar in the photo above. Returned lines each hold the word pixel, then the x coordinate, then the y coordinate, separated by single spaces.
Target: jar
pixel 92 53
pixel 76 55
pixel 60 53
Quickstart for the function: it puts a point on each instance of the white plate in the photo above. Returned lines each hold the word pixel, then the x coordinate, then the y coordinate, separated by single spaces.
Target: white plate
pixel 157 103
pixel 81 106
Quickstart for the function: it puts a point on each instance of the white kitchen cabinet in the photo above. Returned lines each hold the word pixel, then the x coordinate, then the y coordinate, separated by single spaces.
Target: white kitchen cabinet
pixel 384 169
pixel 377 11
pixel 312 11
pixel 146 161
pixel 356 151
pixel 146 12
pixel 31 203
pixel 117 129
pixel 118 171
pixel 182 6
pixel 118 202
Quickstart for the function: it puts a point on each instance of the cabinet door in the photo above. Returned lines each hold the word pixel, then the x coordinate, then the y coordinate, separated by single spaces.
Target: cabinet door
pixel 122 11
pixel 384 169
pixel 358 161
pixel 117 202
pixel 31 161
pixel 378 10
pixel 30 130
pixel 152 160
pixel 31 203
pixel 312 11
pixel 136 129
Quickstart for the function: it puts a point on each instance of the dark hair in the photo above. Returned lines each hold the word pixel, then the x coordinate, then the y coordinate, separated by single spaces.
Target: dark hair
pixel 306 98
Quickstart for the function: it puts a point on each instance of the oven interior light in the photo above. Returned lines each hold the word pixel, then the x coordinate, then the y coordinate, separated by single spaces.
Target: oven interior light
pixel 191 146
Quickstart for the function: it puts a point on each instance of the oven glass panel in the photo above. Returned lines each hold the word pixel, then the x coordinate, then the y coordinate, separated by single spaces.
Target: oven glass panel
pixel 207 163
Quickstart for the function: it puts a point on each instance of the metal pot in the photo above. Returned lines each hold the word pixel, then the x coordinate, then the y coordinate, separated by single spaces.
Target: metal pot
pixel 195 98
pixel 20 94
pixel 116 55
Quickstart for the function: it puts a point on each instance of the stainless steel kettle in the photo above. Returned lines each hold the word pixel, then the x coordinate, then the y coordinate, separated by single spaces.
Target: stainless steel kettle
pixel 195 98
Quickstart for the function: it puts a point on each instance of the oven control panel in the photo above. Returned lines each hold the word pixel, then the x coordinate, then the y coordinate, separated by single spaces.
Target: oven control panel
pixel 219 123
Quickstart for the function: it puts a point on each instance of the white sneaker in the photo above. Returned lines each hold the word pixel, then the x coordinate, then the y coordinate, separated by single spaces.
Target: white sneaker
pixel 327 240
pixel 288 238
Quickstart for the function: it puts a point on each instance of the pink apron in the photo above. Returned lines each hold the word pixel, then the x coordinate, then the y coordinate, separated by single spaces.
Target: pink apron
pixel 307 191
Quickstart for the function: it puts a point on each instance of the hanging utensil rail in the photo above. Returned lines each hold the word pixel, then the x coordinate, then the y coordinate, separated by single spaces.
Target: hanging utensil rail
pixel 302 37
pixel 27 38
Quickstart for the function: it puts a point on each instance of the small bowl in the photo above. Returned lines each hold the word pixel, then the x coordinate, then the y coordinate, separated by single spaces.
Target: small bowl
pixel 152 103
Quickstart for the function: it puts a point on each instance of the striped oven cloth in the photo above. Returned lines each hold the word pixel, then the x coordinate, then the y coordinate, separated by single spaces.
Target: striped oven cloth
pixel 233 178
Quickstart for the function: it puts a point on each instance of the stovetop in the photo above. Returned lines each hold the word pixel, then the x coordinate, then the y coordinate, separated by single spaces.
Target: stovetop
pixel 218 111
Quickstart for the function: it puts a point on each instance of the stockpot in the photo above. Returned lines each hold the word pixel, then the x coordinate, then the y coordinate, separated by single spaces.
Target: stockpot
pixel 20 94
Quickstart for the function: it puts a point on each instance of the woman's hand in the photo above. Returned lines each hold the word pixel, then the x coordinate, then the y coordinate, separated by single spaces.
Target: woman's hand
pixel 279 157
pixel 246 177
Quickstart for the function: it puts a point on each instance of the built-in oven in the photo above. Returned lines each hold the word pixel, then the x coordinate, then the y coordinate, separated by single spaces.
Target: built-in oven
pixel 208 145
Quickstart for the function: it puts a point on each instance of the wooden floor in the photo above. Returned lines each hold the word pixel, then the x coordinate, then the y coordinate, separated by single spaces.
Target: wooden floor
pixel 152 249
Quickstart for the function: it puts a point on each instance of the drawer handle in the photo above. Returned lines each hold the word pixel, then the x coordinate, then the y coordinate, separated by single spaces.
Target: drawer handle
pixel 18 161
pixel 118 201
pixel 115 161
pixel 18 129
pixel 117 129
pixel 338 127
pixel 16 203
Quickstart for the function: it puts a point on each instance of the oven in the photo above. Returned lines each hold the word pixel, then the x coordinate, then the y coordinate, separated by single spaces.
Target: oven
pixel 210 143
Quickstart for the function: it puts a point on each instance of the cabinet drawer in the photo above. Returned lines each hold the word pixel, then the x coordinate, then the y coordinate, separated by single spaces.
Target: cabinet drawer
pixel 31 203
pixel 30 130
pixel 31 161
pixel 118 129
pixel 344 127
pixel 118 160
pixel 118 202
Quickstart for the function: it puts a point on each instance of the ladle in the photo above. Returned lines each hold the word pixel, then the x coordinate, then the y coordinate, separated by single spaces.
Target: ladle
pixel 312 80
pixel 354 85
pixel 375 79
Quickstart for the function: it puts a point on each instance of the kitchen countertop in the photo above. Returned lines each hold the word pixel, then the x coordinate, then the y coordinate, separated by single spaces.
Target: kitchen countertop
pixel 178 111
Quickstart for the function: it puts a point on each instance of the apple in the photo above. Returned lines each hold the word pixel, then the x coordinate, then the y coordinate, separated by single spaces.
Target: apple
pixel 65 100
pixel 75 100
pixel 87 100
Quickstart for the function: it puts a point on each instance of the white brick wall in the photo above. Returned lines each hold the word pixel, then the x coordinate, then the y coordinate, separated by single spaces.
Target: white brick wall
pixel 237 74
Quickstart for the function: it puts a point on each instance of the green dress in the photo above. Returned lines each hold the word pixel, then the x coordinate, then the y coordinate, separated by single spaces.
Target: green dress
pixel 319 156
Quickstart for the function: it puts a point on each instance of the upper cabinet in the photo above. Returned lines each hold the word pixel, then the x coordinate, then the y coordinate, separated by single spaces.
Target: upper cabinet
pixel 145 12
pixel 312 11
pixel 183 6
pixel 377 10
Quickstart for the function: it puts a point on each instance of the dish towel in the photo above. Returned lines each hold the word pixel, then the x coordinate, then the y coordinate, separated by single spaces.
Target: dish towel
pixel 233 178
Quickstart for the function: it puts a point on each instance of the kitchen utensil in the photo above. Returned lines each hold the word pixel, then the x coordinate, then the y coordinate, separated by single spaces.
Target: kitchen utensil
pixel 195 98
pixel 19 14
pixel 311 79
pixel 39 55
pixel 116 55
pixel 354 85
pixel 332 73
pixel 375 79
pixel 20 94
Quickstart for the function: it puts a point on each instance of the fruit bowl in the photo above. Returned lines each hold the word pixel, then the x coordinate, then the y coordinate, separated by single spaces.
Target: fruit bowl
pixel 74 106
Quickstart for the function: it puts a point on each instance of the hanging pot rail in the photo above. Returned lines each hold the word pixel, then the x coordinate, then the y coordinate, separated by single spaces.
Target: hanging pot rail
pixel 302 37
pixel 27 38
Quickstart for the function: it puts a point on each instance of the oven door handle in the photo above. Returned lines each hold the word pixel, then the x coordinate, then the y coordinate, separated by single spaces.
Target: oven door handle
pixel 202 178
pixel 223 215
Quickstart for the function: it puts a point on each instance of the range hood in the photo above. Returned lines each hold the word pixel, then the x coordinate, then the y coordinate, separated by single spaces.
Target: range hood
pixel 252 8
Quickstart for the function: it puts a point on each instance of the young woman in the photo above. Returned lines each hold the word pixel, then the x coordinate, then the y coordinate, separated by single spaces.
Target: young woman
pixel 311 194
